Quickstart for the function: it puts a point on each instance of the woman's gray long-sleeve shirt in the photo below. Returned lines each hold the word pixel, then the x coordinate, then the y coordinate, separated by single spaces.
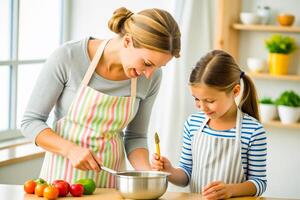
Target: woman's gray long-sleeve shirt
pixel 59 81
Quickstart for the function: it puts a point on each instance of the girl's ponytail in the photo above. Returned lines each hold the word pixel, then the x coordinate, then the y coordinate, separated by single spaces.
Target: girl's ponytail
pixel 249 100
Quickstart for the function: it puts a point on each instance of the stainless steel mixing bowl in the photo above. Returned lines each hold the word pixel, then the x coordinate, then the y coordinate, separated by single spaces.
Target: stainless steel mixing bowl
pixel 142 184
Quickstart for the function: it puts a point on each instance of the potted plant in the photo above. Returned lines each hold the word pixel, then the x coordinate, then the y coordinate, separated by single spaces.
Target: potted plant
pixel 267 109
pixel 280 47
pixel 288 107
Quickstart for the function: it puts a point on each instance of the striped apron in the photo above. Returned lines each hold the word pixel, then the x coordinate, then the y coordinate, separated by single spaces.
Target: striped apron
pixel 216 159
pixel 94 121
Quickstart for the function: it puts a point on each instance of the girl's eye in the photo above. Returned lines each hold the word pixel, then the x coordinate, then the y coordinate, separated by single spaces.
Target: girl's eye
pixel 196 99
pixel 210 101
pixel 147 64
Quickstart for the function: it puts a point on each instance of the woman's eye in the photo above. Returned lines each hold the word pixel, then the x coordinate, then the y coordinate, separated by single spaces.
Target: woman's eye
pixel 196 99
pixel 147 64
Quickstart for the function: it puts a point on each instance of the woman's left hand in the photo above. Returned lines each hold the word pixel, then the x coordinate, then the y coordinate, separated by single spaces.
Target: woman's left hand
pixel 217 190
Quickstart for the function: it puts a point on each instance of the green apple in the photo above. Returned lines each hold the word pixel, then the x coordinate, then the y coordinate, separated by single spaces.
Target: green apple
pixel 89 185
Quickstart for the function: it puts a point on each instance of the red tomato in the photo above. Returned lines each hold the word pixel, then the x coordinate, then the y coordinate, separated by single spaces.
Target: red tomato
pixel 76 190
pixel 39 189
pixel 51 192
pixel 29 186
pixel 62 186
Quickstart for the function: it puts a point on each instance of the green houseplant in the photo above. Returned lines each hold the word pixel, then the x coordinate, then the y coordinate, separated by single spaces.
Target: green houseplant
pixel 288 107
pixel 267 109
pixel 280 47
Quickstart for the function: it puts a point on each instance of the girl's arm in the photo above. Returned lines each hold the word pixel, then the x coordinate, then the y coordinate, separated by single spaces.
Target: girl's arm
pixel 177 177
pixel 220 190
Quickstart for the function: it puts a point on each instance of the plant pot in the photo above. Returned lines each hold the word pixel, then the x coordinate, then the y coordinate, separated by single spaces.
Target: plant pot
pixel 279 63
pixel 288 114
pixel 267 112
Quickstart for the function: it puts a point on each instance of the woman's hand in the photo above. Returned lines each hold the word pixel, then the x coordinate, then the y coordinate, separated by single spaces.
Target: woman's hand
pixel 217 190
pixel 83 158
pixel 161 163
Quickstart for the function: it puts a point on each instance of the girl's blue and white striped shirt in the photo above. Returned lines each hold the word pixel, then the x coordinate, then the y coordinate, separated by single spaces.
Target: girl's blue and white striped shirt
pixel 253 147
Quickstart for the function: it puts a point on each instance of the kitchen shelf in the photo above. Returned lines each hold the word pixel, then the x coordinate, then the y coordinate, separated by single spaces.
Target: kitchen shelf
pixel 273 77
pixel 269 28
pixel 278 124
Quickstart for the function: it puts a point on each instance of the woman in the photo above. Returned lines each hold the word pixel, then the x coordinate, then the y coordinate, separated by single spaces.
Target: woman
pixel 98 88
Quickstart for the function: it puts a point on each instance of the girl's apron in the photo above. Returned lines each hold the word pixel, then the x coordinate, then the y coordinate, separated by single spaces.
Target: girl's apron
pixel 216 159
pixel 94 121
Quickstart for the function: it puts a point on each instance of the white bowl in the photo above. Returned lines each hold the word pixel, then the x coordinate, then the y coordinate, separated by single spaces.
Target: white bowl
pixel 249 18
pixel 256 64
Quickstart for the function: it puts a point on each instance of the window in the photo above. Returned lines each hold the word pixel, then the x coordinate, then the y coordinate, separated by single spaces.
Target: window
pixel 30 30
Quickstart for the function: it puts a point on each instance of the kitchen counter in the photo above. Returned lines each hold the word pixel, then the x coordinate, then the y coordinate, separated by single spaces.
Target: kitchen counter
pixel 15 192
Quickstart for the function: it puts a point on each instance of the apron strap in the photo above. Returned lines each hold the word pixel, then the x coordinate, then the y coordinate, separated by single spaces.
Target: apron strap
pixel 133 87
pixel 87 77
pixel 238 126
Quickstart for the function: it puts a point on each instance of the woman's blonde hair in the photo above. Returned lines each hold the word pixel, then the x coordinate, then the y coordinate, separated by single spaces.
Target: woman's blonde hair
pixel 153 29
pixel 218 69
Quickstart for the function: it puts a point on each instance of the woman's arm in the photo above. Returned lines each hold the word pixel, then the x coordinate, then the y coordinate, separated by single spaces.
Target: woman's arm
pixel 81 158
pixel 49 87
pixel 139 159
pixel 135 138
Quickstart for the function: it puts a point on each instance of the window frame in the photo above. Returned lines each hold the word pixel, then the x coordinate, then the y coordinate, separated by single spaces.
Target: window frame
pixel 13 62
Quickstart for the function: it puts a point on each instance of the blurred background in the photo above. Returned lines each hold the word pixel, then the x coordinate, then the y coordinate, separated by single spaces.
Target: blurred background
pixel 31 29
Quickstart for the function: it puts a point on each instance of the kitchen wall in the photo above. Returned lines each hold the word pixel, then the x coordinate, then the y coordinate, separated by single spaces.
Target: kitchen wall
pixel 283 143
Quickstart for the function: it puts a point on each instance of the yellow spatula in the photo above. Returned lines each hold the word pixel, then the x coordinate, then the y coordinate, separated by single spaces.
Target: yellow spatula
pixel 157 145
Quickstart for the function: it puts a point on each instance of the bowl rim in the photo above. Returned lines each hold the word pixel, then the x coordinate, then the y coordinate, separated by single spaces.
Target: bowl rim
pixel 160 173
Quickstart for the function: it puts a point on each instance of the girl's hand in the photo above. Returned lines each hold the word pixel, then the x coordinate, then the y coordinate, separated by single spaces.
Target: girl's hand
pixel 83 158
pixel 217 190
pixel 161 164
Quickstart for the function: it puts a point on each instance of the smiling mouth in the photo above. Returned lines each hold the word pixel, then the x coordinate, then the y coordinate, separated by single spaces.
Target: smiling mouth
pixel 209 113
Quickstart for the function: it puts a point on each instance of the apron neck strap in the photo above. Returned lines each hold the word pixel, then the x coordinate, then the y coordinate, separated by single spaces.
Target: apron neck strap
pixel 238 126
pixel 94 63
pixel 88 75
pixel 133 87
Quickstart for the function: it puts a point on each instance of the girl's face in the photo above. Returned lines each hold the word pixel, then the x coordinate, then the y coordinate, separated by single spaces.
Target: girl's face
pixel 141 61
pixel 214 103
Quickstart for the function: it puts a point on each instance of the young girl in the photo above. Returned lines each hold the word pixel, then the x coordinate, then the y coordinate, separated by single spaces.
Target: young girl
pixel 224 145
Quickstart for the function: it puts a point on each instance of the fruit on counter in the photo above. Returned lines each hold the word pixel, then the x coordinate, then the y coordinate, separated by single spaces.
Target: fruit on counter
pixel 39 189
pixel 40 181
pixel 76 190
pixel 51 192
pixel 62 186
pixel 88 184
pixel 29 186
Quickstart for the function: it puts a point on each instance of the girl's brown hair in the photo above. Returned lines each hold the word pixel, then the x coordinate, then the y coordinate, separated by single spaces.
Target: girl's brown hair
pixel 153 29
pixel 218 69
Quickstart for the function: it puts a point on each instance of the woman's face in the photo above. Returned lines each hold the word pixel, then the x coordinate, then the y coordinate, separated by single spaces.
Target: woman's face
pixel 214 103
pixel 141 61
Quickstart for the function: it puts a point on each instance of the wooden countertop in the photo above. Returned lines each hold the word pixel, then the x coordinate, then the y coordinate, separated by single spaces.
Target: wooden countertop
pixel 15 192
